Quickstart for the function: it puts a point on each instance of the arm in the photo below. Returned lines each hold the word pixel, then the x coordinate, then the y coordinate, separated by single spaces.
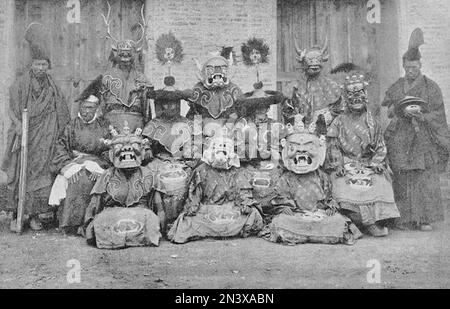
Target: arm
pixel 334 158
pixel 195 193
pixel 157 201
pixel 63 154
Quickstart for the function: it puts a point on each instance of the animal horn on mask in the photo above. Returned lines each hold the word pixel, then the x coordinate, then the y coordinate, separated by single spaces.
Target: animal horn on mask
pixel 300 52
pixel 325 56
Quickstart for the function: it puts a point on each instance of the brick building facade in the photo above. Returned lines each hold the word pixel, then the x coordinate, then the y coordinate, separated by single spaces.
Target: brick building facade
pixel 207 25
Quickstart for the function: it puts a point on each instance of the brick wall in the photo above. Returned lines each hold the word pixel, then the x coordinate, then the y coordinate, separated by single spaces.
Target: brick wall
pixel 206 25
pixel 432 16
pixel 6 69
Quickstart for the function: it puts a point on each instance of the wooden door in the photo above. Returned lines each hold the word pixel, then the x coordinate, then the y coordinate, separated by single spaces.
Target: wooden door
pixel 351 38
pixel 79 51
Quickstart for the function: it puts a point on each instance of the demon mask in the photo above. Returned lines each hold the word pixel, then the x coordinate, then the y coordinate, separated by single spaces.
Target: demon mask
pixel 214 73
pixel 127 150
pixel 312 60
pixel 302 152
pixel 355 93
pixel 220 153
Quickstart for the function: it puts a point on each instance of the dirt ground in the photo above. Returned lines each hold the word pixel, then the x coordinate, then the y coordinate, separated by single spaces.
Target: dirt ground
pixel 408 259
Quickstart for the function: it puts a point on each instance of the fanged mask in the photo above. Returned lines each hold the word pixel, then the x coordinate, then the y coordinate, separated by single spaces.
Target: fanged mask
pixel 303 152
pixel 355 93
pixel 214 72
pixel 127 150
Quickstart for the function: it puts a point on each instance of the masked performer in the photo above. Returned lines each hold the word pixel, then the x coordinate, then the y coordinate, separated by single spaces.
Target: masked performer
pixel 418 142
pixel 119 212
pixel 357 157
pixel 171 136
pixel 314 96
pixel 219 202
pixel 258 135
pixel 48 114
pixel 123 89
pixel 214 95
pixel 297 201
pixel 80 157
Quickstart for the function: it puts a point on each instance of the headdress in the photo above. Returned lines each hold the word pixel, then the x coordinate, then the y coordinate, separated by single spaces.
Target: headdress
pixel 416 39
pixel 39 41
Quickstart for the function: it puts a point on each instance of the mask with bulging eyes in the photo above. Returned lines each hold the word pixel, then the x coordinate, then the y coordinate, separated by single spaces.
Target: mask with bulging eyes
pixel 215 72
pixel 303 152
pixel 127 150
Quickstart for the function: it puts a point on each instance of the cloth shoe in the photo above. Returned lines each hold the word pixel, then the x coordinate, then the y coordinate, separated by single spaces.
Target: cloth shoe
pixel 376 231
pixel 426 228
pixel 35 224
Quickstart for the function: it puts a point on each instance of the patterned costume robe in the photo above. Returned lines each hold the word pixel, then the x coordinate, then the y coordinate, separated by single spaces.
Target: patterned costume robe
pixel 307 196
pixel 417 158
pixel 213 103
pixel 119 212
pixel 48 114
pixel 219 204
pixel 171 146
pixel 122 99
pixel 356 143
pixel 311 98
pixel 79 147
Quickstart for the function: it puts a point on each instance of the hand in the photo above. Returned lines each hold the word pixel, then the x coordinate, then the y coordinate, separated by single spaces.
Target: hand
pixel 246 210
pixel 74 178
pixel 18 129
pixel 340 171
pixel 287 211
pixel 332 208
pixel 94 176
pixel 378 169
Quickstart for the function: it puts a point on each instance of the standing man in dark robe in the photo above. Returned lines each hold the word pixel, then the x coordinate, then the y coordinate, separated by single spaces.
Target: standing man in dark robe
pixel 36 91
pixel 80 158
pixel 417 143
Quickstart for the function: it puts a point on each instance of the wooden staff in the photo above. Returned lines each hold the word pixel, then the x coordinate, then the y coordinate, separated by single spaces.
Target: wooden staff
pixel 23 171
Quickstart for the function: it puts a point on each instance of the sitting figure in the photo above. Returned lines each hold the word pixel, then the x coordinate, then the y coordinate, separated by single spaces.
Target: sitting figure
pixel 219 202
pixel 357 153
pixel 300 208
pixel 79 158
pixel 171 136
pixel 259 135
pixel 119 214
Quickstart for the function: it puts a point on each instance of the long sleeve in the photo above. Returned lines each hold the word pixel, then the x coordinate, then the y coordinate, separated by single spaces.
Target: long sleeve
pixel 63 154
pixel 334 157
pixel 195 193
pixel 380 150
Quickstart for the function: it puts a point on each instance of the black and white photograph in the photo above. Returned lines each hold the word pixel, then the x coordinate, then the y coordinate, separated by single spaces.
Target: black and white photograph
pixel 224 145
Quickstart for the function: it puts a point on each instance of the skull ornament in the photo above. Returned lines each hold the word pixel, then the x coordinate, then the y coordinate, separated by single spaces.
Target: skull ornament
pixel 220 153
pixel 169 54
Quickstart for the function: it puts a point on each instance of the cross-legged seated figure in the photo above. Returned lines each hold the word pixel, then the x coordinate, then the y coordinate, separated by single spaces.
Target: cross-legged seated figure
pixel 119 212
pixel 219 202
pixel 357 159
pixel 300 208
pixel 79 158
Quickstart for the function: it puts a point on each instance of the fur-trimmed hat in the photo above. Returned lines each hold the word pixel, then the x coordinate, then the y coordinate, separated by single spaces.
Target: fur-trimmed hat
pixel 258 98
pixel 169 93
